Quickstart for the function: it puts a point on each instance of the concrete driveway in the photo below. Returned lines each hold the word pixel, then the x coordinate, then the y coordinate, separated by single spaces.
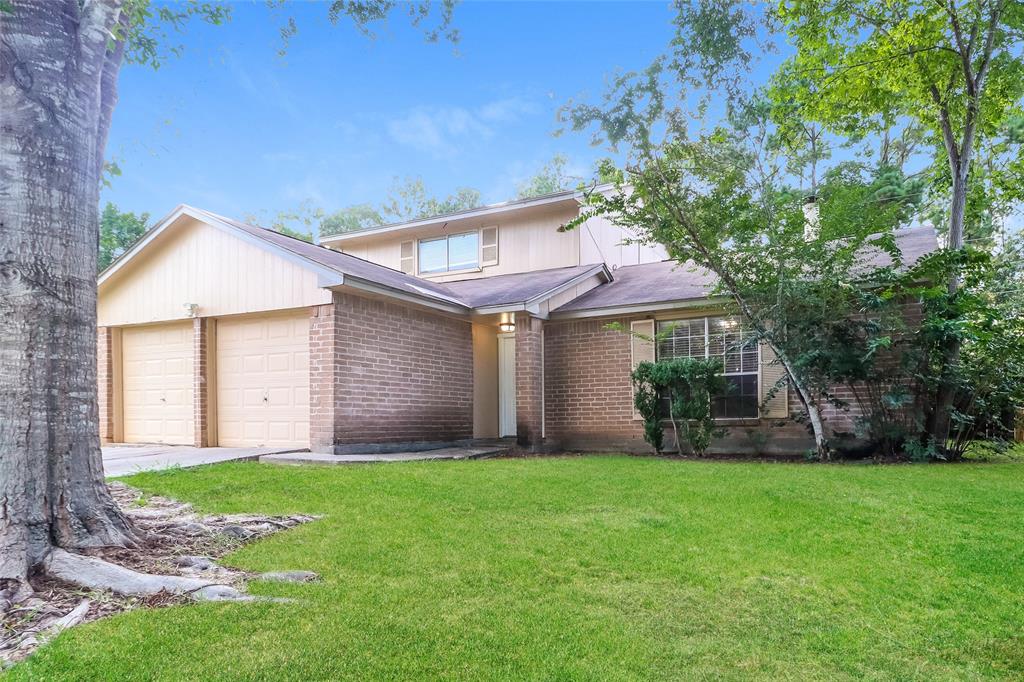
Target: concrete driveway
pixel 122 460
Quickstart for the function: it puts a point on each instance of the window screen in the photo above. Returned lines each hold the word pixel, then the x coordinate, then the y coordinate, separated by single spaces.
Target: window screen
pixel 445 254
pixel 724 338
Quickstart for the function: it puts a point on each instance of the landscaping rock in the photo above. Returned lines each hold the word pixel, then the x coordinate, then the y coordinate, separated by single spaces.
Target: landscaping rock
pixel 236 531
pixel 196 563
pixel 220 593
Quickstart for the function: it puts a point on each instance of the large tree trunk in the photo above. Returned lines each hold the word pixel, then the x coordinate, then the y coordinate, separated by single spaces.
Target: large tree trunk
pixel 57 80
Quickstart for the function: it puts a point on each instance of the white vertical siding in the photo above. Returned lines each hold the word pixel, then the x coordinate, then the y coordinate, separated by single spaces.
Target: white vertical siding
pixel 194 263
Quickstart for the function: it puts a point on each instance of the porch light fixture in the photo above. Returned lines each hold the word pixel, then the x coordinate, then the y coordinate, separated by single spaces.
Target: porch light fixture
pixel 191 309
pixel 507 326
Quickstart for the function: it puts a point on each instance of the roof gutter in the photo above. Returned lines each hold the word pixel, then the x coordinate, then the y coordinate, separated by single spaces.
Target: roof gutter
pixel 639 308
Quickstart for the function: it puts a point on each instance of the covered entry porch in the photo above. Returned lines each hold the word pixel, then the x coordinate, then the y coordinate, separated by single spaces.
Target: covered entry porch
pixel 508 377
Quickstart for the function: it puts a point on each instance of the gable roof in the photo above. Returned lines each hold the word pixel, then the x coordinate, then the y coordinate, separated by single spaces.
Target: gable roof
pixel 668 284
pixel 523 287
pixel 334 268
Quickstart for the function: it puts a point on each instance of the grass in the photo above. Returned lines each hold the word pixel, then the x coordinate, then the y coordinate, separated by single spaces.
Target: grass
pixel 602 568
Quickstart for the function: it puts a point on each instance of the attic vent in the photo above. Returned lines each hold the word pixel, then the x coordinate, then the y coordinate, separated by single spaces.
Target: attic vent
pixel 489 246
pixel 407 261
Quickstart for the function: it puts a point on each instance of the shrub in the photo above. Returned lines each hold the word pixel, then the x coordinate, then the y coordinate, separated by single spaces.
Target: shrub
pixel 681 389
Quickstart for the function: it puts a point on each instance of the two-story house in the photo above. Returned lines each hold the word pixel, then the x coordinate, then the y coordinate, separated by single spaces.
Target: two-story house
pixel 481 324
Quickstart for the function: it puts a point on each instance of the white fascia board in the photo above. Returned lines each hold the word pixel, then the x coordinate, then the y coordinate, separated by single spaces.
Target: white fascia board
pixel 600 268
pixel 501 308
pixel 326 277
pixel 638 308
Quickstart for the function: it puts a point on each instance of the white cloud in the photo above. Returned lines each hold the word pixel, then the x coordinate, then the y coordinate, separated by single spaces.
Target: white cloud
pixel 441 131
pixel 509 109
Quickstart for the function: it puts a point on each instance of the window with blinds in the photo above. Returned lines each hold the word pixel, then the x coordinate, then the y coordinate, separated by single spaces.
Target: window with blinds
pixel 449 254
pixel 723 338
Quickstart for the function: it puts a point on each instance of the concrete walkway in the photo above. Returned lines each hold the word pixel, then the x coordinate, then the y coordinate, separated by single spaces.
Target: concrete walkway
pixel 122 460
pixel 296 458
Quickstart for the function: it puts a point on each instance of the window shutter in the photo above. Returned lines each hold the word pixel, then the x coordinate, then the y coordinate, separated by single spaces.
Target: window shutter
pixel 408 258
pixel 489 246
pixel 772 373
pixel 640 350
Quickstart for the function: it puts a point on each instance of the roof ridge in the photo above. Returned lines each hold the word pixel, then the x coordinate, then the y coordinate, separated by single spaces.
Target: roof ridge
pixel 303 241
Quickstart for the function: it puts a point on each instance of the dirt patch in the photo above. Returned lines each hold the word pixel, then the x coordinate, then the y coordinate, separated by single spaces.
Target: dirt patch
pixel 178 541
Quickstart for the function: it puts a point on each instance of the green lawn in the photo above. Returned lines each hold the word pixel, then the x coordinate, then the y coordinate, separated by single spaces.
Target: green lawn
pixel 598 568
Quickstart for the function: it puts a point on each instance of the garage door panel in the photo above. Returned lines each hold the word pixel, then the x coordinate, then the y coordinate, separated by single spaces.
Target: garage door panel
pixel 263 380
pixel 157 384
pixel 252 398
pixel 254 363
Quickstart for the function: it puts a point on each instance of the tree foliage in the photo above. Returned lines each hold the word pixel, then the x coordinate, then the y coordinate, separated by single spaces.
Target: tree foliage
pixel 407 199
pixel 953 69
pixel 351 218
pixel 410 200
pixel 717 170
pixel 118 231
pixel 551 178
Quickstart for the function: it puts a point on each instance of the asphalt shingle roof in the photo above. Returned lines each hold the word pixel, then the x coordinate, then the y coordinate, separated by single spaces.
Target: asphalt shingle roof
pixel 668 281
pixel 515 288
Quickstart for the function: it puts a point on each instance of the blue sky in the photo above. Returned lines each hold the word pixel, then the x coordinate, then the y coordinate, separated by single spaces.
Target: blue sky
pixel 235 128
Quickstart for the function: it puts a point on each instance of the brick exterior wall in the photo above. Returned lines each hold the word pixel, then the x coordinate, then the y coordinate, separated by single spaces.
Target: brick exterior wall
pixel 589 398
pixel 383 372
pixel 529 381
pixel 105 381
pixel 588 395
pixel 322 361
pixel 200 382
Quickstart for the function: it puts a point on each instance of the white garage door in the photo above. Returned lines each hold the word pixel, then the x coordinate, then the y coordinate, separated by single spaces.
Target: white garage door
pixel 263 381
pixel 157 380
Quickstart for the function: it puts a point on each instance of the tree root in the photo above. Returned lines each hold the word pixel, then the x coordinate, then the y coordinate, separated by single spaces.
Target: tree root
pixel 173 539
pixel 97 574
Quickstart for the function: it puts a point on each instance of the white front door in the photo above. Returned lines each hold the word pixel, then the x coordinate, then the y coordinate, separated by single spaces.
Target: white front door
pixel 506 385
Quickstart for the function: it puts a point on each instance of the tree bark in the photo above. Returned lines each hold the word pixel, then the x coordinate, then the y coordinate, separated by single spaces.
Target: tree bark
pixel 55 106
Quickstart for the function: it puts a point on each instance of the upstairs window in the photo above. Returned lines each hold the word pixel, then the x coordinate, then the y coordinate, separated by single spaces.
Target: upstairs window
pixel 449 254
pixel 723 338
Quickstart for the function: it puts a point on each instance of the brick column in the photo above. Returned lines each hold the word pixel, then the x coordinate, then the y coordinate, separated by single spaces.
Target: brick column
pixel 323 331
pixel 105 382
pixel 201 384
pixel 529 381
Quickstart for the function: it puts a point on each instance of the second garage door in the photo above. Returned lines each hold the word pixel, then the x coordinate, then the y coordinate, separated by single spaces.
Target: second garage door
pixel 263 381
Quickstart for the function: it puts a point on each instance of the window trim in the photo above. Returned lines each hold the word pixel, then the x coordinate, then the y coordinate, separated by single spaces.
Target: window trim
pixel 446 237
pixel 707 354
